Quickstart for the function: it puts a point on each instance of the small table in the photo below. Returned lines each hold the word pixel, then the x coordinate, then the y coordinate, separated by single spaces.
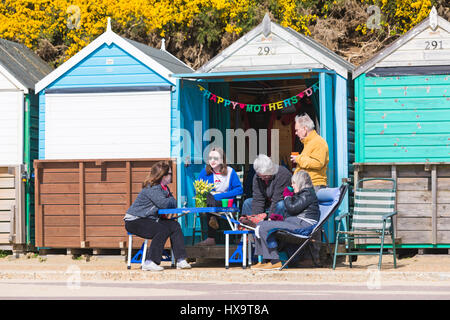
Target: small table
pixel 214 210
pixel 217 211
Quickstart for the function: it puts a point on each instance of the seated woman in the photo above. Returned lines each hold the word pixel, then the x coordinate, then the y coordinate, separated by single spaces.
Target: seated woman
pixel 302 212
pixel 226 186
pixel 142 218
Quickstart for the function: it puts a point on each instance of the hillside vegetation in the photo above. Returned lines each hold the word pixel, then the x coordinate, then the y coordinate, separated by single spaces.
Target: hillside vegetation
pixel 197 30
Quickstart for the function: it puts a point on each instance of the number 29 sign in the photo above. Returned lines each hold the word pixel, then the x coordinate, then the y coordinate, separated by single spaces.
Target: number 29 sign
pixel 266 50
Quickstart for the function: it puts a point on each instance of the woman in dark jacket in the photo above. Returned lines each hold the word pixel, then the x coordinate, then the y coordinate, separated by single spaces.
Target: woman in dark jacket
pixel 302 211
pixel 142 218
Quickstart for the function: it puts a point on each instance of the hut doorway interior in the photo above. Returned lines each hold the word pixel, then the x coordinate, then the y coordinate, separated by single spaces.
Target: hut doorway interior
pixel 269 65
pixel 260 92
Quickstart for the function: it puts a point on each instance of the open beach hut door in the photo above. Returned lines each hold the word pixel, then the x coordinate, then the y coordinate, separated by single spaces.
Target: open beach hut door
pixel 193 121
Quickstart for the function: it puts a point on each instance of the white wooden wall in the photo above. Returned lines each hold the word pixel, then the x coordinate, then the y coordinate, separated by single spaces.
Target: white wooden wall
pixel 267 53
pixel 11 123
pixel 108 125
pixel 426 48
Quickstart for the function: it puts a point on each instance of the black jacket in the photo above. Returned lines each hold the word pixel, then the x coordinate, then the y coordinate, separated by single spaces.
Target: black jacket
pixel 303 204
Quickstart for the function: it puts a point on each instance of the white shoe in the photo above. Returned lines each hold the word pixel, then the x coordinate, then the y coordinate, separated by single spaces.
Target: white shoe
pixel 151 266
pixel 183 265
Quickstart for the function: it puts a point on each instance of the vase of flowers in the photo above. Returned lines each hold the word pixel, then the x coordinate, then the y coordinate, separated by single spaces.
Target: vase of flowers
pixel 202 188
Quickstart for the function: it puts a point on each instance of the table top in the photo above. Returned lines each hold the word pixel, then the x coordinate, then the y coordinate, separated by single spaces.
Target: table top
pixel 198 210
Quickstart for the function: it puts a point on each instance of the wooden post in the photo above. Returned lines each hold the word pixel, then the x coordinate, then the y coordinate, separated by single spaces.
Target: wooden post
pixel 81 205
pixel 39 219
pixel 128 183
pixel 434 203
pixel 394 176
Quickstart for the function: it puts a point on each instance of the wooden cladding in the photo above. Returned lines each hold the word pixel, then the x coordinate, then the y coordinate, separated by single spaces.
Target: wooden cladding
pixel 12 215
pixel 81 203
pixel 423 199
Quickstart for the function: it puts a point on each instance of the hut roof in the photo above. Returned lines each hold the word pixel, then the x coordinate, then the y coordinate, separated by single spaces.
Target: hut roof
pixel 158 60
pixel 433 21
pixel 23 64
pixel 322 56
pixel 163 57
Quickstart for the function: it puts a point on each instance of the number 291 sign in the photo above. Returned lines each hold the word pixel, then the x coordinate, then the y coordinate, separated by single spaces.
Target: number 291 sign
pixel 433 45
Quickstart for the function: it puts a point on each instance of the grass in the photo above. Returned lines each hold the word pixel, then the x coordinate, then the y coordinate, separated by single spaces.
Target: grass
pixel 4 254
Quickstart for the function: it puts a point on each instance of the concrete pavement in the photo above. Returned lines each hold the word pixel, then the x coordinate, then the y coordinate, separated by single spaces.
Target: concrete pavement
pixel 421 268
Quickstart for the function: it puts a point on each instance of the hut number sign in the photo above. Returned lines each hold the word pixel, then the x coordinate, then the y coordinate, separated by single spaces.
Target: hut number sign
pixel 266 50
pixel 433 45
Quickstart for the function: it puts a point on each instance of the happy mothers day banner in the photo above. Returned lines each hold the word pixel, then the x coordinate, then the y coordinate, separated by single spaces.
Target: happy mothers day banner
pixel 259 107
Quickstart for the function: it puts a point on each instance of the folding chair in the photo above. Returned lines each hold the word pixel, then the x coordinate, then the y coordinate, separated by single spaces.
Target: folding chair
pixel 329 201
pixel 371 219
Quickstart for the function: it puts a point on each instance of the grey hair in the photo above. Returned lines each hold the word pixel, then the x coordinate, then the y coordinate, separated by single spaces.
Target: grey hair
pixel 302 179
pixel 265 166
pixel 305 121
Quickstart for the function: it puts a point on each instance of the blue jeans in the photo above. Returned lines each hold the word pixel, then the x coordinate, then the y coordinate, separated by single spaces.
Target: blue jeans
pixel 247 208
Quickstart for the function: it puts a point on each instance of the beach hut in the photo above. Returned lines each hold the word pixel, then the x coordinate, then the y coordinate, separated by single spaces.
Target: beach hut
pixel 111 103
pixel 20 70
pixel 112 99
pixel 402 101
pixel 259 83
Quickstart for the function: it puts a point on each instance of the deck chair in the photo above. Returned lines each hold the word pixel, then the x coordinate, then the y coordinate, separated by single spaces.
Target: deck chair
pixel 371 219
pixel 329 201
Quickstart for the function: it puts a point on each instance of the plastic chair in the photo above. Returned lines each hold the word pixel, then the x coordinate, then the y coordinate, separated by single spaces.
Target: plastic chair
pixel 372 218
pixel 330 200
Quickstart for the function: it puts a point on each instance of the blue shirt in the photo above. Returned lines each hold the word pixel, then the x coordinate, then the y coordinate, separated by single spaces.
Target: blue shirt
pixel 234 187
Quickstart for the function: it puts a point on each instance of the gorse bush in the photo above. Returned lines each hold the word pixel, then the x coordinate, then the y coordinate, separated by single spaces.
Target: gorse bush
pixel 195 30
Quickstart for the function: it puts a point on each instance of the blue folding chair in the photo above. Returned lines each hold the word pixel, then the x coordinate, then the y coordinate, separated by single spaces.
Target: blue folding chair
pixel 330 200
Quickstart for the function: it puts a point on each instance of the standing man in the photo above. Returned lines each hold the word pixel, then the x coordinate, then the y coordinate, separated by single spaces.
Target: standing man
pixel 314 160
pixel 314 157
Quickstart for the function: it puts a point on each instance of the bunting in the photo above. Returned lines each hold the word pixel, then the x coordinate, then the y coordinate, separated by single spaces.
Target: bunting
pixel 274 106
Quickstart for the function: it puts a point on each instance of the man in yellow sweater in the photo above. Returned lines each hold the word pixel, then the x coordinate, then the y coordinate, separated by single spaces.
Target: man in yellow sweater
pixel 314 157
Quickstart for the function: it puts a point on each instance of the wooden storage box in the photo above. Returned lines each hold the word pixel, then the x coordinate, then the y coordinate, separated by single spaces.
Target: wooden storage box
pixel 81 203
pixel 423 201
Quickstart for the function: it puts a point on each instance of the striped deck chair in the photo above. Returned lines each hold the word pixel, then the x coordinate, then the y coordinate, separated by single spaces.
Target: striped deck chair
pixel 372 216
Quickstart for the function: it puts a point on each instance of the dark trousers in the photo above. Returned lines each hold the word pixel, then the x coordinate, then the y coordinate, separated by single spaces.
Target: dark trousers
pixel 159 231
pixel 211 231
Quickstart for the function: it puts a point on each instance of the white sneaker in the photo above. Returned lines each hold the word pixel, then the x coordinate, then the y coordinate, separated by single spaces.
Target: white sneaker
pixel 151 266
pixel 183 265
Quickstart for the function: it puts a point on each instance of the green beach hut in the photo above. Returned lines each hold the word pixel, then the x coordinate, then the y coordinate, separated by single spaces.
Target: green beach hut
pixel 402 106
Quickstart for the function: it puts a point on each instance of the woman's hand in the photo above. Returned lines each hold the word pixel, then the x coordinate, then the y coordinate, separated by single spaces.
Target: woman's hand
pixel 169 216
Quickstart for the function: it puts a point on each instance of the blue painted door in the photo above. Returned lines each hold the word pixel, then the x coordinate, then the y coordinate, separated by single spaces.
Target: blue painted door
pixel 193 122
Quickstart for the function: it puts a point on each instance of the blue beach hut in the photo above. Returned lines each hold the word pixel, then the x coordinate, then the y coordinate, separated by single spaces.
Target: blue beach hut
pixel 257 84
pixel 113 99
